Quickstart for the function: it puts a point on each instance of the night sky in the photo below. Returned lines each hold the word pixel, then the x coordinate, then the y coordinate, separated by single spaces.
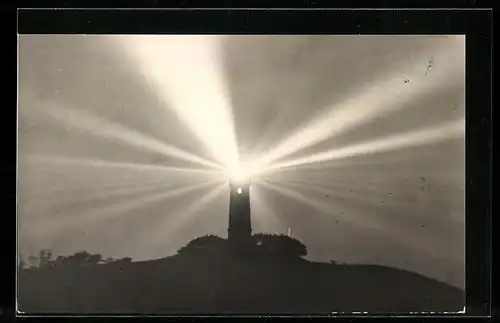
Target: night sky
pixel 104 145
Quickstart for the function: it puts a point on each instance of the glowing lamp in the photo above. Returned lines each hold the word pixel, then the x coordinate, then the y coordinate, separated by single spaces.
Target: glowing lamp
pixel 238 177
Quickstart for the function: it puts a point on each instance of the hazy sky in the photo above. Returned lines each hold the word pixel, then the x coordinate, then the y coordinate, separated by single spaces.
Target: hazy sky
pixel 91 107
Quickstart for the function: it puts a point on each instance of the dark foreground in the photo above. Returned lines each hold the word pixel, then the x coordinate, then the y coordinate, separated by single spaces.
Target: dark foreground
pixel 207 282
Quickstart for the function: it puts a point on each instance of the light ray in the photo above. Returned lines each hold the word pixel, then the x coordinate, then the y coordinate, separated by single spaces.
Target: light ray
pixel 93 125
pixel 367 164
pixel 441 132
pixel 86 192
pixel 91 196
pixel 76 172
pixel 396 221
pixel 397 64
pixel 186 71
pixel 264 215
pixel 86 176
pixel 113 211
pixel 376 179
pixel 68 181
pixel 368 197
pixel 96 163
pixel 184 216
pixel 341 191
pixel 321 206
pixel 361 220
pixel 376 101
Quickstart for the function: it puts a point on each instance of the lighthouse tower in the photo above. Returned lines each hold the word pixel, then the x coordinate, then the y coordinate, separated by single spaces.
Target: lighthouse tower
pixel 239 231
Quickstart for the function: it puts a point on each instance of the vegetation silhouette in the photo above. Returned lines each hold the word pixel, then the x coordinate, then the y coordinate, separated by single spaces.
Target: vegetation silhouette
pixel 208 277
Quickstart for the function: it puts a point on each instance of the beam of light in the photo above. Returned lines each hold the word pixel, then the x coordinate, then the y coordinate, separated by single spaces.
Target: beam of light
pixel 364 165
pixel 360 220
pixel 310 185
pixel 244 174
pixel 96 163
pixel 92 196
pixel 387 180
pixel 378 100
pixel 290 193
pixel 345 192
pixel 113 211
pixel 72 174
pixel 182 217
pixel 66 181
pixel 397 64
pixel 395 222
pixel 93 125
pixel 263 215
pixel 187 73
pixel 328 209
pixel 237 175
pixel 445 131
pixel 51 196
pixel 358 198
pixel 324 208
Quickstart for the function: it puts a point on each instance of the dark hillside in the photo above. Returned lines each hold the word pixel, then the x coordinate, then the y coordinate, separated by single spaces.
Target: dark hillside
pixel 214 280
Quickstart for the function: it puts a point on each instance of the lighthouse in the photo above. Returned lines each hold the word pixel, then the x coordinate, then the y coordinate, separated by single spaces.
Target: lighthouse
pixel 239 230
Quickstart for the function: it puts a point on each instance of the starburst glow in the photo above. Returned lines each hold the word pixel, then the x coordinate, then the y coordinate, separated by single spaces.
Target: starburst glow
pixel 186 71
pixel 83 168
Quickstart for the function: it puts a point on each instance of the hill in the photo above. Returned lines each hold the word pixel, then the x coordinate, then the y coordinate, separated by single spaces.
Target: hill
pixel 205 280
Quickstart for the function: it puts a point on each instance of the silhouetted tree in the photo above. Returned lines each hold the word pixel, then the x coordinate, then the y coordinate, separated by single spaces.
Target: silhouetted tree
pixel 82 258
pixel 280 245
pixel 60 260
pixel 108 260
pixel 94 259
pixel 34 261
pixel 78 259
pixel 205 242
pixel 45 256
pixel 123 261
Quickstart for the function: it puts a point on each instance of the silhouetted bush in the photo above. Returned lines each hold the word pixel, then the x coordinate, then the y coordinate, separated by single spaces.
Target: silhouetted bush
pixel 43 259
pixel 79 259
pixel 108 260
pixel 123 261
pixel 45 256
pixel 280 245
pixel 207 242
pixel 33 261
pixel 271 244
